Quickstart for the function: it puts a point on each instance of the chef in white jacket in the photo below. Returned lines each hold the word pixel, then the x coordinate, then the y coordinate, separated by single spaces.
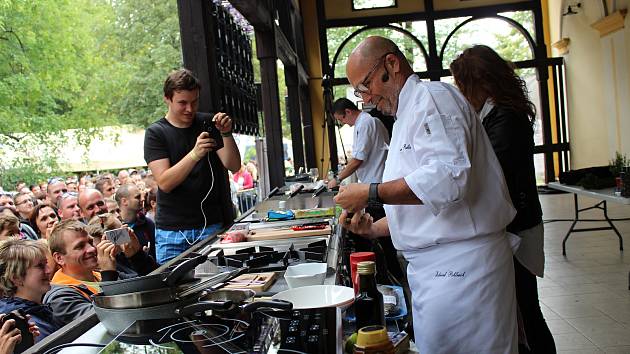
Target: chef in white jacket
pixel 446 206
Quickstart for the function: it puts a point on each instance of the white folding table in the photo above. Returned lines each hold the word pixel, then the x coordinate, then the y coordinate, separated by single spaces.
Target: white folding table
pixel 605 195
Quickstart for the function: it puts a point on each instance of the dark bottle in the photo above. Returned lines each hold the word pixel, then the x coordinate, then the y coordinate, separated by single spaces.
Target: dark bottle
pixel 368 304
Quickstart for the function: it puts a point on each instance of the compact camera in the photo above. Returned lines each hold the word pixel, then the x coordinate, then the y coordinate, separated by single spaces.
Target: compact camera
pixel 22 324
pixel 208 126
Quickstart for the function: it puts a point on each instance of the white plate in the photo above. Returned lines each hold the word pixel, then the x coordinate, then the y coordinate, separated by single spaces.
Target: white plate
pixel 318 296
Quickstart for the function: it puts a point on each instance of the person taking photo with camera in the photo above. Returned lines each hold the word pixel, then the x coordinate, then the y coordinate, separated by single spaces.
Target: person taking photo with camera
pixel 24 279
pixel 188 153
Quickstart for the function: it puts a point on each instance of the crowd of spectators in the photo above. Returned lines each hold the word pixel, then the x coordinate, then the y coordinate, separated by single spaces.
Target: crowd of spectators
pixel 54 249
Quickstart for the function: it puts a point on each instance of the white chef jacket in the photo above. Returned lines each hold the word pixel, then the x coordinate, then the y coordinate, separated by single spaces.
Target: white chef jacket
pixel 460 263
pixel 441 149
pixel 370 145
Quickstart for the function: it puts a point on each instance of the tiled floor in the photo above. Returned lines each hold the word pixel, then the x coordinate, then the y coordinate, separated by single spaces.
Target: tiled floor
pixel 584 296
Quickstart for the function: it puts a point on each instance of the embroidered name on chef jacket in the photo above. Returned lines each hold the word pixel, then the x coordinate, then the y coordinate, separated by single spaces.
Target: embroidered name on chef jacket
pixel 449 274
pixel 405 147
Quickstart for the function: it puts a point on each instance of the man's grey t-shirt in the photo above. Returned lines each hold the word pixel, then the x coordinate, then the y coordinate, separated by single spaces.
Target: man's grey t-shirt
pixel 181 208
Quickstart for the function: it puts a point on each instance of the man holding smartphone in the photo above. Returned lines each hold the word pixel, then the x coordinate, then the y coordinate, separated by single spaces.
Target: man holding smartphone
pixel 188 168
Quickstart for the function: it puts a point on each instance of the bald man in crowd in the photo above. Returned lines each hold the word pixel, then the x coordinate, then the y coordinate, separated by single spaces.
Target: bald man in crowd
pixel 92 203
pixel 446 204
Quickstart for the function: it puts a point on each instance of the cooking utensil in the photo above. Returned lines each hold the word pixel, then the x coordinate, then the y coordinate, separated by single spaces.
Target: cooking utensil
pixel 273 192
pixel 182 273
pixel 281 234
pixel 318 296
pixel 164 295
pixel 231 303
pixel 117 321
pixel 257 282
pixel 319 191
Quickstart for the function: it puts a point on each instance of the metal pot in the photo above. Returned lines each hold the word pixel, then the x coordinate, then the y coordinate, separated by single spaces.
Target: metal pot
pixel 118 321
pixel 182 273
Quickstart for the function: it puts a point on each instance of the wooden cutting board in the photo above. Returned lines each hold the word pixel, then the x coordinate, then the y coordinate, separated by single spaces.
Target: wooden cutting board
pixel 255 281
pixel 278 234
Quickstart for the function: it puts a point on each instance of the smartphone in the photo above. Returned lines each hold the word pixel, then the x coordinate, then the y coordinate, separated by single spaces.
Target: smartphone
pixel 211 128
pixel 118 236
pixel 22 324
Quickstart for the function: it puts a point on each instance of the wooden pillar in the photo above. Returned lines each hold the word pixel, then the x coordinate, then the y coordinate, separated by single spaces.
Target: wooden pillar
pixel 194 24
pixel 293 116
pixel 266 52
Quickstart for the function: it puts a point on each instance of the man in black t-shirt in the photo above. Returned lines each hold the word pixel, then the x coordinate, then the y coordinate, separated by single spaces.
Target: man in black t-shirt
pixel 188 170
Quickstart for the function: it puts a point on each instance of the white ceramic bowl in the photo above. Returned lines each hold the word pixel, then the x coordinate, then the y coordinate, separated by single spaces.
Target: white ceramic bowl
pixel 305 274
pixel 318 296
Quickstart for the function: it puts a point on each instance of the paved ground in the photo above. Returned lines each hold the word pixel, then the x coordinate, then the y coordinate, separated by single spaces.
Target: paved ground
pixel 584 296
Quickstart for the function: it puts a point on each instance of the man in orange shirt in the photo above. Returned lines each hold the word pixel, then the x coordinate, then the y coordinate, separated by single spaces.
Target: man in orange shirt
pixel 77 280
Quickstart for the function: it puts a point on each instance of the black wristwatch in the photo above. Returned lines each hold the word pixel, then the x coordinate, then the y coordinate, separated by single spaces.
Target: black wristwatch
pixel 373 199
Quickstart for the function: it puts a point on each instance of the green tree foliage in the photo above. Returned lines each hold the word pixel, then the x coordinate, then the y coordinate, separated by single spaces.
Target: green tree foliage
pixel 49 54
pixel 145 46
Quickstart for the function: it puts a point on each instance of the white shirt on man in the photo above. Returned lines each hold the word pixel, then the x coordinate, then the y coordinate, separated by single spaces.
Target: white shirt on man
pixel 371 142
pixel 440 148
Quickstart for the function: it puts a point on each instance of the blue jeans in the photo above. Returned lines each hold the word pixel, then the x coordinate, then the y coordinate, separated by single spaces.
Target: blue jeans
pixel 170 244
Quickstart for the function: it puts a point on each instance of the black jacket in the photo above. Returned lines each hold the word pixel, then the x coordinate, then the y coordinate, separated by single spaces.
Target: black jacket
pixel 512 138
pixel 41 314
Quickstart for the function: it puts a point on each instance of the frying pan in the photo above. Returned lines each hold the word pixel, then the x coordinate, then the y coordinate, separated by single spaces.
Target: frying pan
pixel 163 295
pixel 182 273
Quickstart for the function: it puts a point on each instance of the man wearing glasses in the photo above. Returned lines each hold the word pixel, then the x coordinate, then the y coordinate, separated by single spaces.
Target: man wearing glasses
pixel 91 203
pixel 446 206
pixel 24 205
pixel 56 187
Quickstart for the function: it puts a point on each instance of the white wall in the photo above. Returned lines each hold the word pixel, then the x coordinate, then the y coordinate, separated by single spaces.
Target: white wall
pixel 597 84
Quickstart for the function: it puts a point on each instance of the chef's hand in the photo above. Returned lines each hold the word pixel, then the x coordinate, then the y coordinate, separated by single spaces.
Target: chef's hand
pixel 132 247
pixel 223 122
pixel 106 254
pixel 353 197
pixel 332 183
pixel 360 223
pixel 10 336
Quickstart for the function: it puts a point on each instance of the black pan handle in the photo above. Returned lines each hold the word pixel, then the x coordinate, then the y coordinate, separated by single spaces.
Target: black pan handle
pixel 273 192
pixel 273 304
pixel 319 191
pixel 176 275
pixel 202 306
pixel 295 192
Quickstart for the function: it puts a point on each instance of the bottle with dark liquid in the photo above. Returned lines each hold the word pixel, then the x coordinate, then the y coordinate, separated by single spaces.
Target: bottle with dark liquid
pixel 368 304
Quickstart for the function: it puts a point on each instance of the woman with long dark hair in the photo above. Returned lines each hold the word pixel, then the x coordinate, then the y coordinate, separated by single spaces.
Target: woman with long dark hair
pixel 500 97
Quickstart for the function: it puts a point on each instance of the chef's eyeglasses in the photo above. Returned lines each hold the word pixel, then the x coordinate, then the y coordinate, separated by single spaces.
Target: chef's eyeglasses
pixel 363 87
